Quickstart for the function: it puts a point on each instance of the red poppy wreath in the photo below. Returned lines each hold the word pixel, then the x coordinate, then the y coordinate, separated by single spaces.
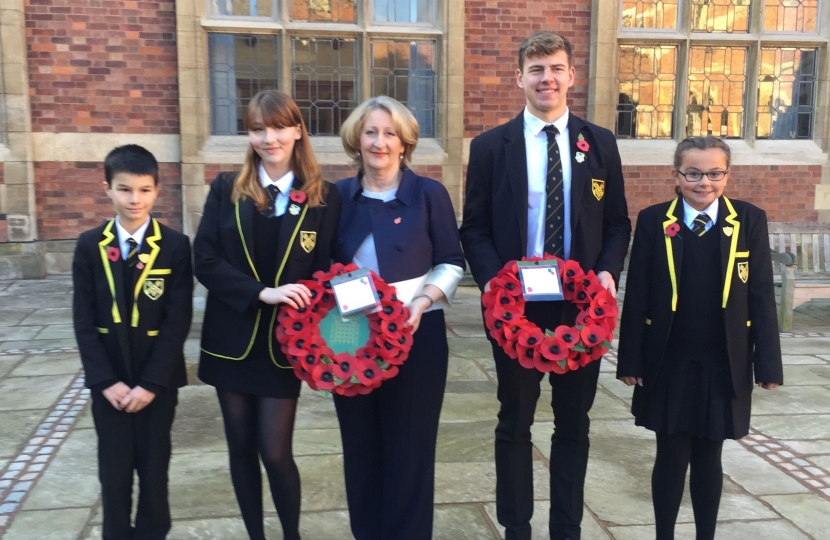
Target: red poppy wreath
pixel 388 346
pixel 566 348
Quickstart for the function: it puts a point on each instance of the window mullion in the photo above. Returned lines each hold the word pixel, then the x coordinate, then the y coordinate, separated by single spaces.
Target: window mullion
pixel 751 100
pixel 681 97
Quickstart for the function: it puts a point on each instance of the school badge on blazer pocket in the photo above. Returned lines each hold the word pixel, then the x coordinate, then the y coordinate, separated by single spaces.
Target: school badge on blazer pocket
pixel 743 271
pixel 154 288
pixel 598 188
pixel 308 239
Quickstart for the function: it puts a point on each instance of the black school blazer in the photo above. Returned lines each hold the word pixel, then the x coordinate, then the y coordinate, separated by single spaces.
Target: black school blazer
pixel 748 297
pixel 225 263
pixel 494 230
pixel 159 321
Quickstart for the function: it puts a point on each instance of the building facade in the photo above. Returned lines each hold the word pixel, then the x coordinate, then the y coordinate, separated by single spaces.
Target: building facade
pixel 79 77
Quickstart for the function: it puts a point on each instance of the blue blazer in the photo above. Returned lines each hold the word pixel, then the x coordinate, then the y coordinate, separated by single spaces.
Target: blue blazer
pixel 414 232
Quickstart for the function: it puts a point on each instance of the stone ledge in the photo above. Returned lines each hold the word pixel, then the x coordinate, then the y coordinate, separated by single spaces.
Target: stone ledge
pixel 36 260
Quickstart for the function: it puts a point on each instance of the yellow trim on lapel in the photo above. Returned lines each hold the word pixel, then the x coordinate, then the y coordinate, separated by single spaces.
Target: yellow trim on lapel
pixel 152 333
pixel 670 253
pixel 160 272
pixel 749 323
pixel 151 241
pixel 733 249
pixel 102 247
pixel 102 330
pixel 245 246
pixel 276 284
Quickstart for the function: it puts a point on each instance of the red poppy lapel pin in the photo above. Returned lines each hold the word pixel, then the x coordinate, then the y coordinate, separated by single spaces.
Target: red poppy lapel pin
pixel 672 230
pixel 113 254
pixel 297 196
pixel 583 147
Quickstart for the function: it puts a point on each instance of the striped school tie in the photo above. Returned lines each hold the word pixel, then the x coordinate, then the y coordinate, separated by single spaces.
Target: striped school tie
pixel 555 213
pixel 132 255
pixel 700 223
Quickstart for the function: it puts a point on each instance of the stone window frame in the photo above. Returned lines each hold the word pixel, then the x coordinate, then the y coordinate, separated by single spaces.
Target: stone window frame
pixel 199 147
pixel 607 34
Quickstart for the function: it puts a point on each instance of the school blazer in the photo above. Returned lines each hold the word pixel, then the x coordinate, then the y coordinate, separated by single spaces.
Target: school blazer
pixel 748 300
pixel 145 345
pixel 494 230
pixel 225 263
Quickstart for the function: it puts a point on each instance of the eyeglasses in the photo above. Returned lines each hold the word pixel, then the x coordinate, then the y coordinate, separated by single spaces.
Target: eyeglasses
pixel 697 176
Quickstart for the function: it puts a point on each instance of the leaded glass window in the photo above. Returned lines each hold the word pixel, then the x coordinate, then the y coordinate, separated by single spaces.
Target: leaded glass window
pixel 324 81
pixel 645 109
pixel 649 14
pixel 404 11
pixel 405 71
pixel 343 11
pixel 242 8
pixel 786 93
pixel 240 66
pixel 717 83
pixel 791 15
pixel 730 16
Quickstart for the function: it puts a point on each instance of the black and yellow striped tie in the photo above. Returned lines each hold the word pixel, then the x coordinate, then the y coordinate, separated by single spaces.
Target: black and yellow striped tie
pixel 132 255
pixel 555 212
pixel 700 223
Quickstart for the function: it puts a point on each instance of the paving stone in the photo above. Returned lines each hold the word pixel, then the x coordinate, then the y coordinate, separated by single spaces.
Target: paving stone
pixel 8 508
pixel 754 474
pixel 470 348
pixel 48 364
pixel 765 530
pixel 460 522
pixel 807 375
pixel 72 477
pixel 821 461
pixel 15 428
pixel 19 393
pixel 466 441
pixel 539 523
pixel 13 316
pixel 49 316
pixel 7 363
pixel 791 400
pixel 18 333
pixel 802 360
pixel 810 513
pixel 476 482
pixel 315 411
pixel 56 331
pixel 65 524
pixel 465 369
pixel 804 346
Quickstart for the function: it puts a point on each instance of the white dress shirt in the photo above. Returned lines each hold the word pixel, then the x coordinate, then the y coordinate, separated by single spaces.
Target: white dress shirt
pixel 536 145
pixel 283 184
pixel 689 214
pixel 123 236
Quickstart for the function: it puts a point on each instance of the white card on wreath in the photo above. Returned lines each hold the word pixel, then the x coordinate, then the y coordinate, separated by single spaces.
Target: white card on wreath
pixel 540 280
pixel 354 293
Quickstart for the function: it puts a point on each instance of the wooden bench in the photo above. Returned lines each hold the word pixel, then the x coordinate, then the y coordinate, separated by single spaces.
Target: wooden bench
pixel 802 251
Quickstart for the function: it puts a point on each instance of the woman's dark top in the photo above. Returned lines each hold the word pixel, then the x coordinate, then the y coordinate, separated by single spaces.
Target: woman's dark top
pixel 693 392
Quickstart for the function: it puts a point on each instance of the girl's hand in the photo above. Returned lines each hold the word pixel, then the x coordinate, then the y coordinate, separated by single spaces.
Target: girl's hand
pixel 137 399
pixel 631 381
pixel 416 310
pixel 768 385
pixel 293 294
pixel 115 394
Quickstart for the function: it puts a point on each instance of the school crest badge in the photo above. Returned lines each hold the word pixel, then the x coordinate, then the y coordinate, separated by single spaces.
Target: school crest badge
pixel 743 271
pixel 598 188
pixel 308 239
pixel 154 288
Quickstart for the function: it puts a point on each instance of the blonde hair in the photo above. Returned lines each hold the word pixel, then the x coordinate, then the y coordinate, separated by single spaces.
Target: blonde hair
pixel 406 127
pixel 279 111
pixel 544 44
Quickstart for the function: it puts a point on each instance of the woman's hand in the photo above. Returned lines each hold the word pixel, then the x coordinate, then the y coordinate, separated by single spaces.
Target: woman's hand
pixel 631 381
pixel 293 294
pixel 768 385
pixel 416 310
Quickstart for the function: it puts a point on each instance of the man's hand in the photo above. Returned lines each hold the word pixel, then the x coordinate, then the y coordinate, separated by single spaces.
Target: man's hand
pixel 768 385
pixel 607 282
pixel 137 399
pixel 631 381
pixel 116 393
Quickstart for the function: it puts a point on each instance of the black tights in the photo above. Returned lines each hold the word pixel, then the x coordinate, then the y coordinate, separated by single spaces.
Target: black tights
pixel 674 455
pixel 258 427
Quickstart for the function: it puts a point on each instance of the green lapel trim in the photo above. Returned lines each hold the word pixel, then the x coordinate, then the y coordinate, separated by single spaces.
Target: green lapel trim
pixel 151 241
pixel 733 248
pixel 670 253
pixel 102 247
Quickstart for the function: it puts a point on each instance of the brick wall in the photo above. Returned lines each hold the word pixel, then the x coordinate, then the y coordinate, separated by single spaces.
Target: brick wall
pixel 71 198
pixel 104 66
pixel 493 32
pixel 786 193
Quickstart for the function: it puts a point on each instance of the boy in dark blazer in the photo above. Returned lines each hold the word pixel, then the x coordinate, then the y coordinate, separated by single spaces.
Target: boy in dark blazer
pixel 545 182
pixel 132 307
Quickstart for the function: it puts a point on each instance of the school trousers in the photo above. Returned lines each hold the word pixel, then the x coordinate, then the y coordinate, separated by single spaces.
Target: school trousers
pixel 389 440
pixel 138 442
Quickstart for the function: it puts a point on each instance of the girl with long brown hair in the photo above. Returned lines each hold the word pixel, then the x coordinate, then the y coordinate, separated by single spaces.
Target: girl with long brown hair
pixel 263 229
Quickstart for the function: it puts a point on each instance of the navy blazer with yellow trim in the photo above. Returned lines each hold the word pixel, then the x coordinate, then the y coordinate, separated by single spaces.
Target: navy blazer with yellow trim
pixel 225 263
pixel 162 308
pixel 494 230
pixel 748 298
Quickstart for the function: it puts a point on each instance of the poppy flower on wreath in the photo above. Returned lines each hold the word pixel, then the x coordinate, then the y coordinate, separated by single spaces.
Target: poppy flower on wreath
pixel 564 348
pixel 297 196
pixel 113 254
pixel 346 374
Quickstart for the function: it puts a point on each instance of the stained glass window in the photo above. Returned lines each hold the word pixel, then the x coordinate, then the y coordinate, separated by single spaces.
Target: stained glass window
pixel 645 107
pixel 730 16
pixel 786 93
pixel 717 83
pixel 790 15
pixel 324 81
pixel 405 71
pixel 649 14
pixel 240 66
